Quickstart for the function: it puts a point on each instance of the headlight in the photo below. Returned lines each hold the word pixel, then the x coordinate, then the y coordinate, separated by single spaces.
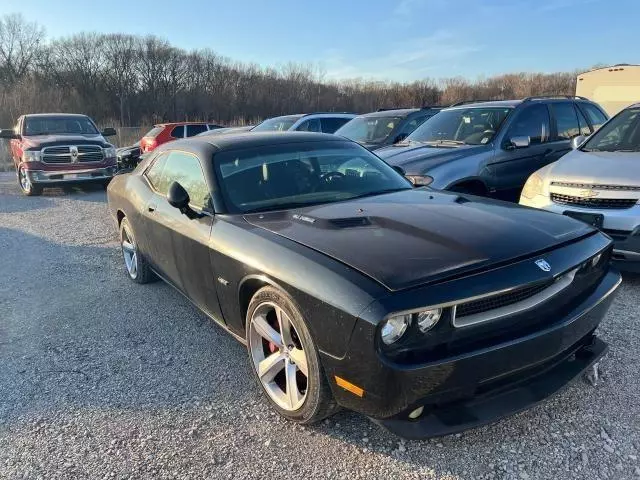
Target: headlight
pixel 533 186
pixel 110 152
pixel 427 319
pixel 420 180
pixel 31 156
pixel 394 328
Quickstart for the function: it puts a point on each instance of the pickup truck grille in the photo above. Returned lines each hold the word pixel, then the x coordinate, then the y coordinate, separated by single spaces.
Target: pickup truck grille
pixel 598 203
pixel 65 154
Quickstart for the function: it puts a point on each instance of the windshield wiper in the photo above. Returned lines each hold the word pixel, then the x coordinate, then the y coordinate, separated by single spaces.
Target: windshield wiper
pixel 379 192
pixel 444 142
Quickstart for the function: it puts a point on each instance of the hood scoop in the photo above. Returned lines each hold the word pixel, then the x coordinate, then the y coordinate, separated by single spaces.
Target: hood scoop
pixel 350 222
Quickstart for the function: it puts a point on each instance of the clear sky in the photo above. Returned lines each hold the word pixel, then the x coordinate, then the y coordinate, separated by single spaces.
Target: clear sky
pixel 398 40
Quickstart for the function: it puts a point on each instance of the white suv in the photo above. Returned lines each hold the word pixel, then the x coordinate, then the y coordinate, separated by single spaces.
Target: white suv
pixel 305 122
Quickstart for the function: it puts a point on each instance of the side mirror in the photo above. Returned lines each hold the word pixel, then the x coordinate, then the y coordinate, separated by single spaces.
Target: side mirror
pixel 577 141
pixel 8 133
pixel 399 169
pixel 109 132
pixel 178 197
pixel 520 142
pixel 400 138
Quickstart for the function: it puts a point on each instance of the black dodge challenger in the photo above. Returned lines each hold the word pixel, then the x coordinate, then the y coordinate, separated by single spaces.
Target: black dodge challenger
pixel 429 312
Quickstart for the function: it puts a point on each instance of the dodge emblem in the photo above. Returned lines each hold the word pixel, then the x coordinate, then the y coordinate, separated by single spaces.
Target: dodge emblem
pixel 74 153
pixel 543 265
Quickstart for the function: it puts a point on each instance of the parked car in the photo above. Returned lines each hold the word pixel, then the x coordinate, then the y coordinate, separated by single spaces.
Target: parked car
pixel 167 132
pixel 56 148
pixel 128 157
pixel 427 329
pixel 599 183
pixel 226 131
pixel 385 127
pixel 491 148
pixel 305 122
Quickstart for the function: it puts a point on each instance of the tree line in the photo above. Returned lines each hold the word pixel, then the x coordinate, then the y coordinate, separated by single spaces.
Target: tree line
pixel 122 79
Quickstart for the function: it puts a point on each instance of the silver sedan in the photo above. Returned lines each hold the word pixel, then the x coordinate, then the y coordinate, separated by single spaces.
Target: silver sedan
pixel 598 183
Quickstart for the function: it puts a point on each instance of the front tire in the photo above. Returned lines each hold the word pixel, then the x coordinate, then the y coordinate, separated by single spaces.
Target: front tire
pixel 136 265
pixel 285 360
pixel 28 188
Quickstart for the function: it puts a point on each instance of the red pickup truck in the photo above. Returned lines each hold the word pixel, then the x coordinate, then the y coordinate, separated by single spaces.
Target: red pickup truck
pixel 57 148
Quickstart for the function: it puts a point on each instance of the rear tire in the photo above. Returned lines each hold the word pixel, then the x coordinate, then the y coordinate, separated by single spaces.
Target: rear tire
pixel 135 263
pixel 283 359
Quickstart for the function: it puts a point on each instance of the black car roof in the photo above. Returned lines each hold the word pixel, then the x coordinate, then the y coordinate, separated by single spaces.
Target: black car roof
pixel 254 139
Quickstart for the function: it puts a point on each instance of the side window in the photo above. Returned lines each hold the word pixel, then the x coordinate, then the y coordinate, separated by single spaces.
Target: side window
pixel 185 168
pixel 596 117
pixel 195 129
pixel 177 132
pixel 566 120
pixel 532 122
pixel 154 173
pixel 584 125
pixel 312 125
pixel 330 125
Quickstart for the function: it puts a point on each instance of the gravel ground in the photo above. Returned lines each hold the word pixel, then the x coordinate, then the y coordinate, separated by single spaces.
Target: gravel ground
pixel 101 378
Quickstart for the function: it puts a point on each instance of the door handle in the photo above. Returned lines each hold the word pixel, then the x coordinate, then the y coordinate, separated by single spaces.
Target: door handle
pixel 152 207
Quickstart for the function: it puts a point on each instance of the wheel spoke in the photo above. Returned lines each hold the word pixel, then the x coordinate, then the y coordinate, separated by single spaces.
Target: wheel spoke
pixel 134 264
pixel 285 327
pixel 266 331
pixel 271 366
pixel 128 246
pixel 300 359
pixel 293 394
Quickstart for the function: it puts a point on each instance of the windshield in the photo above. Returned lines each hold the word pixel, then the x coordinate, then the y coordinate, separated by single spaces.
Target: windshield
pixel 468 126
pixel 59 125
pixel 302 174
pixel 369 129
pixel 278 124
pixel 621 134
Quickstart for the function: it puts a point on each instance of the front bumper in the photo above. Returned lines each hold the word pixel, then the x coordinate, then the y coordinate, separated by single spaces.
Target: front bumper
pixel 70 176
pixel 480 386
pixel 622 225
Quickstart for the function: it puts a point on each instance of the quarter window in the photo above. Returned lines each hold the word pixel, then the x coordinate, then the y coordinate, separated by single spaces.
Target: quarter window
pixel 154 173
pixel 532 122
pixel 195 129
pixel 596 117
pixel 178 132
pixel 584 125
pixel 566 120
pixel 185 168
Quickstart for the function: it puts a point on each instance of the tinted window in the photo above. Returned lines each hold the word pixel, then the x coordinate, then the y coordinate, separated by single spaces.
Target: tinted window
pixel 312 125
pixel 185 168
pixel 214 127
pixel 330 125
pixel 584 125
pixel 195 129
pixel 277 124
pixel 177 132
pixel 68 124
pixel 596 117
pixel 532 122
pixel 566 120
pixel 273 177
pixel 622 133
pixel 154 174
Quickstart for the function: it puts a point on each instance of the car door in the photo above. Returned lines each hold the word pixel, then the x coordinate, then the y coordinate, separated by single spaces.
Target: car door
pixel 159 220
pixel 511 165
pixel 565 125
pixel 190 237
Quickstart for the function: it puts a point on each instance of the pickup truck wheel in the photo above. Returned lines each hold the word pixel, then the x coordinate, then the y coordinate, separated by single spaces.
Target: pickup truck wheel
pixel 285 360
pixel 135 263
pixel 27 187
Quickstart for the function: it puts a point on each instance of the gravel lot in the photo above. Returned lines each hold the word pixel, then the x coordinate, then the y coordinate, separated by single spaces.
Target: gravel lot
pixel 101 378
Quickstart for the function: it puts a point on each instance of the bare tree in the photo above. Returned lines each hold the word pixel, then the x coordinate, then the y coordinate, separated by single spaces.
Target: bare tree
pixel 20 43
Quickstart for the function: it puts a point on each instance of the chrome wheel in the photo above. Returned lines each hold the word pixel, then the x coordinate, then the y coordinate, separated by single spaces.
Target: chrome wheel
pixel 129 252
pixel 23 178
pixel 278 356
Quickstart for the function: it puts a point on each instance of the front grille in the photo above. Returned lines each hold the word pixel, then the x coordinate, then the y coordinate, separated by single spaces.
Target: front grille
pixel 500 300
pixel 597 187
pixel 62 154
pixel 597 203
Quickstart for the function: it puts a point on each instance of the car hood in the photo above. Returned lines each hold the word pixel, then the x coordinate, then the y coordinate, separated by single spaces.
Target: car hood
pixel 39 141
pixel 416 159
pixel 599 168
pixel 412 237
